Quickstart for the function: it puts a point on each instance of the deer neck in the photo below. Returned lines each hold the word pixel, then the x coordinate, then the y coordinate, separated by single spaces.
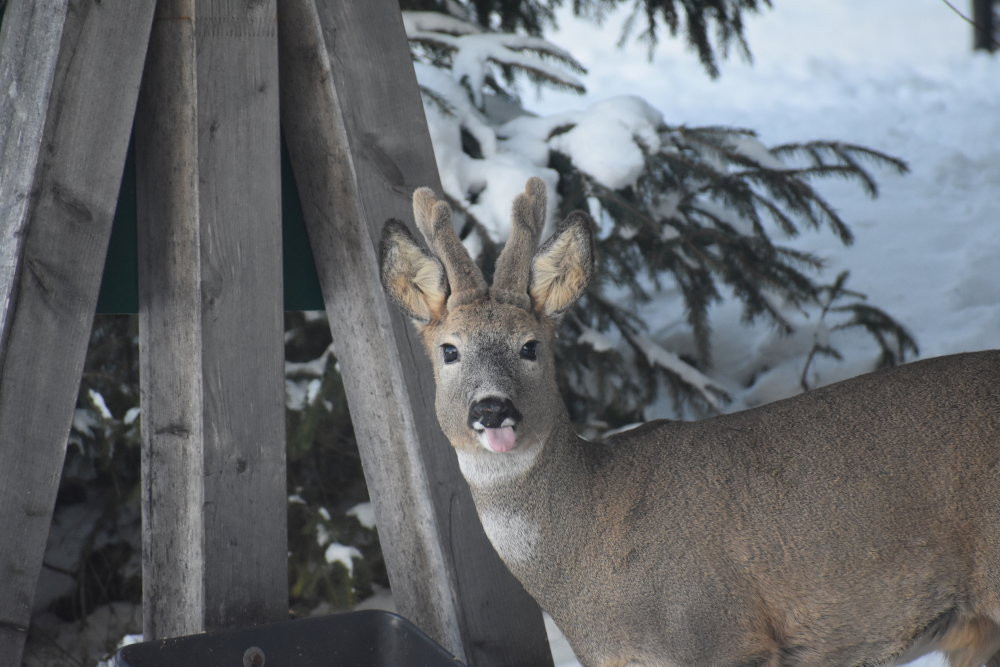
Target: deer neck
pixel 516 497
pixel 506 479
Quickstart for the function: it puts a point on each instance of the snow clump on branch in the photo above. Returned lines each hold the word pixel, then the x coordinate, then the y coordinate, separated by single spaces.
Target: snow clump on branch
pixel 607 141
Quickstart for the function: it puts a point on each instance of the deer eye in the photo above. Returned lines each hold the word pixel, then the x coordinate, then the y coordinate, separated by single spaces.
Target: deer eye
pixel 530 350
pixel 450 353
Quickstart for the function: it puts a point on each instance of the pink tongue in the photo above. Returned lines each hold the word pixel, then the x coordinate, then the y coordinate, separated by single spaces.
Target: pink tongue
pixel 501 439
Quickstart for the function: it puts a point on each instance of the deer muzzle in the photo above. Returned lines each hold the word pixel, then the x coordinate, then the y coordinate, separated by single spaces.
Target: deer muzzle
pixel 495 421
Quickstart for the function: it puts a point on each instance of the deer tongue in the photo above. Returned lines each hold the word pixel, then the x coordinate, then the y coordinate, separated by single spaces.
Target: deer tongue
pixel 501 439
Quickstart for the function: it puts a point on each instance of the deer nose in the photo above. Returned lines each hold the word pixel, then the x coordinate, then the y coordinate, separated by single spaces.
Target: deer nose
pixel 493 413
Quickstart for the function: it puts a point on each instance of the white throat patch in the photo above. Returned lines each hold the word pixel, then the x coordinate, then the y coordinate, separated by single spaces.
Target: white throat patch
pixel 487 468
pixel 513 536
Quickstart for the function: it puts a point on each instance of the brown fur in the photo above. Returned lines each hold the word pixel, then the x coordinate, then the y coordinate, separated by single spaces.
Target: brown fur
pixel 857 524
pixel 414 279
pixel 971 642
pixel 562 268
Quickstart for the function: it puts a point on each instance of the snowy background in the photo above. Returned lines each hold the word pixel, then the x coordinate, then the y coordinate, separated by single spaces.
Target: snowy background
pixel 894 75
pixel 897 76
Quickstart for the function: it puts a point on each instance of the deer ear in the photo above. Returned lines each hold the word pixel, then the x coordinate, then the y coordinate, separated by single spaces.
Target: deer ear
pixel 563 266
pixel 412 277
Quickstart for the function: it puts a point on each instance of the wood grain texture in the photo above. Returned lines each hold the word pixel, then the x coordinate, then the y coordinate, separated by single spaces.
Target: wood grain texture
pixel 166 137
pixel 423 584
pixel 29 51
pixel 246 547
pixel 359 145
pixel 74 186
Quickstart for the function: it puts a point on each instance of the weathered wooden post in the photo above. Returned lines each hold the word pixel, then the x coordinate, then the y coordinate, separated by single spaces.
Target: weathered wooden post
pixel 169 248
pixel 69 76
pixel 359 144
pixel 243 358
pixel 211 322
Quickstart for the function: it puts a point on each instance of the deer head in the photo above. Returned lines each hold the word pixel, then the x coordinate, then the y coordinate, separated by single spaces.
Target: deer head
pixel 491 347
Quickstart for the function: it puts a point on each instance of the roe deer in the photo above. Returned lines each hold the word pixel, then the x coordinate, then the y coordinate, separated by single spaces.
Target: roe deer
pixel 857 524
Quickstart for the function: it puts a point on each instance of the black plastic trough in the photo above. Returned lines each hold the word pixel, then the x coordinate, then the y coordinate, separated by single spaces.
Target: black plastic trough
pixel 357 639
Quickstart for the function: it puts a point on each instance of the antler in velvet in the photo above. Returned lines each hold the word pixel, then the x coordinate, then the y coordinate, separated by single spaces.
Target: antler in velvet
pixel 434 222
pixel 510 280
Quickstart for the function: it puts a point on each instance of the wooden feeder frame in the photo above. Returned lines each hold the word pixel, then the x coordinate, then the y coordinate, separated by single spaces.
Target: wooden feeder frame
pixel 205 83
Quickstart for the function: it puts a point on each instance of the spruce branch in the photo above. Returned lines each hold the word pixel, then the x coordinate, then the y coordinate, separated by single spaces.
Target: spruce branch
pixel 439 100
pixel 699 17
pixel 470 51
pixel 719 186
pixel 875 321
pixel 881 327
pixel 622 387
pixel 847 156
pixel 654 360
pixel 711 28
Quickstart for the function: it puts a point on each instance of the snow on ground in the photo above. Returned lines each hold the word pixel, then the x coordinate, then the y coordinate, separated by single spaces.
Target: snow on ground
pixel 896 76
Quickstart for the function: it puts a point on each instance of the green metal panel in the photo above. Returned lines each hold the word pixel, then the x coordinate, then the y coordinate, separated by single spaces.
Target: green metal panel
pixel 120 284
pixel 302 290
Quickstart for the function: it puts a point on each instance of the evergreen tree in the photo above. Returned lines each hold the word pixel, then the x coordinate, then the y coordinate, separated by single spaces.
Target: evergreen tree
pixel 693 207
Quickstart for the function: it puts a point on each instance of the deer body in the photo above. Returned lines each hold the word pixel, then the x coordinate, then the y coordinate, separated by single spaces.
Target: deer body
pixel 857 524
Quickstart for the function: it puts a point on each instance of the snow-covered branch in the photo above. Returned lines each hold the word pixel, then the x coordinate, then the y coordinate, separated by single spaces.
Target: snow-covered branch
pixel 706 387
pixel 475 52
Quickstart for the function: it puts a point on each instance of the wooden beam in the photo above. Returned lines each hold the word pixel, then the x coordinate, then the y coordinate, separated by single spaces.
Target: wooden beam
pixel 29 51
pixel 166 141
pixel 422 583
pixel 64 151
pixel 359 145
pixel 239 165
